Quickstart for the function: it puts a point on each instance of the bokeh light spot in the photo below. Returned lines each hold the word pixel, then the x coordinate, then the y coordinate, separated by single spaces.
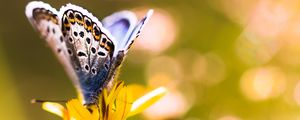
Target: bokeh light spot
pixel 159 33
pixel 263 83
pixel 297 93
pixel 254 50
pixel 162 71
pixel 172 105
pixel 208 69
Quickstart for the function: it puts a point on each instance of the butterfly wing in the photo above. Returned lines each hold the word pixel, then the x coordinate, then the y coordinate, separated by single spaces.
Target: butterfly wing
pixel 124 27
pixel 120 25
pixel 137 30
pixel 89 53
pixel 90 49
pixel 45 19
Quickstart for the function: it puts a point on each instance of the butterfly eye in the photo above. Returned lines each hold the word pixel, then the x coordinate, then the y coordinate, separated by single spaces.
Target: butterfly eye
pixel 70 15
pixel 96 32
pixel 78 18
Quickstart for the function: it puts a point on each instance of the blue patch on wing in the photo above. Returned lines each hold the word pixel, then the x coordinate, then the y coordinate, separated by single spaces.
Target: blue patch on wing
pixel 119 28
pixel 92 85
pixel 120 25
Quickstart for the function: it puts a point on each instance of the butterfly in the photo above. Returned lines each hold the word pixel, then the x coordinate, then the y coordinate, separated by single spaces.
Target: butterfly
pixel 90 51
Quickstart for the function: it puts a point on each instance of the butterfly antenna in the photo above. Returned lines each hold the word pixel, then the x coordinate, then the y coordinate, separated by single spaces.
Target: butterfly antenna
pixel 42 101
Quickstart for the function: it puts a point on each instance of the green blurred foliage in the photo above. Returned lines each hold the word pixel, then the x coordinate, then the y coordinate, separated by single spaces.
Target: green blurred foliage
pixel 10 100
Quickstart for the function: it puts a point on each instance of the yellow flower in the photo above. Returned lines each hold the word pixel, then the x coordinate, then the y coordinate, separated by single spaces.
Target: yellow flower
pixel 118 104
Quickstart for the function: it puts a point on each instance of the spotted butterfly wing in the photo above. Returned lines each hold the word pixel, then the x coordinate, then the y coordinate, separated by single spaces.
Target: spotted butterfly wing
pixel 45 19
pixel 89 53
pixel 90 47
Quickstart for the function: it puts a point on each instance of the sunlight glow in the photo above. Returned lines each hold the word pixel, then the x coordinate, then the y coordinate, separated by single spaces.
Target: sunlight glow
pixel 159 33
pixel 263 83
pixel 172 105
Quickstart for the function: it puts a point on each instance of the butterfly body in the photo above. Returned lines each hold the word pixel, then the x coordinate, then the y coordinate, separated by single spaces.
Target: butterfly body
pixel 91 52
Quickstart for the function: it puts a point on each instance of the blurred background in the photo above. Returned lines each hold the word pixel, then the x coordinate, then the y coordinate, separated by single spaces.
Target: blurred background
pixel 220 59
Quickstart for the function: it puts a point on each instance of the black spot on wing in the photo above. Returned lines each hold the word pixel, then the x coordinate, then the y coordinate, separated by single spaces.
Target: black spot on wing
pixel 61 39
pixel 101 53
pixel 93 70
pixel 48 29
pixel 70 40
pixel 80 54
pixel 88 40
pixel 66 21
pixel 106 66
pixel 75 33
pixel 81 34
pixel 88 23
pixel 58 50
pixel 93 50
pixel 104 40
pixel 69 51
pixel 53 30
pixel 87 67
pixel 78 16
pixel 68 28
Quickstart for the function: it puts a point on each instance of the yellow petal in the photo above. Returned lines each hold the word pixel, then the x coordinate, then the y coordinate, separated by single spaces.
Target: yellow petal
pixel 145 101
pixel 77 110
pixel 100 109
pixel 54 108
pixel 95 113
pixel 123 105
pixel 137 90
pixel 115 92
pixel 104 99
